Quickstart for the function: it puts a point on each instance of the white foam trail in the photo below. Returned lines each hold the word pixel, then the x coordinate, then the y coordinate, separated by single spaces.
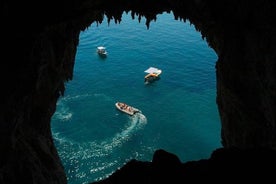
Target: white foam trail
pixel 67 98
pixel 135 123
pixel 103 96
pixel 63 113
pixel 77 156
pixel 70 149
pixel 142 118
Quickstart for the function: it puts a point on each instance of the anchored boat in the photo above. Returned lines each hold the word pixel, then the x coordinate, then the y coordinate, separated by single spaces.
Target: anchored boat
pixel 102 51
pixel 153 74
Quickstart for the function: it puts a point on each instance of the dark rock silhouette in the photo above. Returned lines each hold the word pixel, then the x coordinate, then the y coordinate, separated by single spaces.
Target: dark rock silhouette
pixel 224 165
pixel 38 52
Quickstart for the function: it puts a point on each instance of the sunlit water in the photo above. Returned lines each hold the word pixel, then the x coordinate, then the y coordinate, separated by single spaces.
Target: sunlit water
pixel 179 111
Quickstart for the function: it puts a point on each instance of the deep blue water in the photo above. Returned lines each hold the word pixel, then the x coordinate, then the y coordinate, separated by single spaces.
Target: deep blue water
pixel 179 111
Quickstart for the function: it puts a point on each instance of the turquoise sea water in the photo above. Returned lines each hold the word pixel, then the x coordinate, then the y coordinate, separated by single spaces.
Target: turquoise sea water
pixel 179 111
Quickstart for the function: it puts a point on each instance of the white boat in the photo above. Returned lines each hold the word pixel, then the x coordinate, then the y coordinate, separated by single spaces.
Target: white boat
pixel 101 51
pixel 152 74
pixel 126 108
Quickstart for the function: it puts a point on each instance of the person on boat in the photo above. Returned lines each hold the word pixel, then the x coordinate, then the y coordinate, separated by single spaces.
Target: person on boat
pixel 123 105
pixel 129 109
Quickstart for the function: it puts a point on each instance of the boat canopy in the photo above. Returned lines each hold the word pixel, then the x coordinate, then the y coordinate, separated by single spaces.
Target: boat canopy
pixel 101 48
pixel 153 70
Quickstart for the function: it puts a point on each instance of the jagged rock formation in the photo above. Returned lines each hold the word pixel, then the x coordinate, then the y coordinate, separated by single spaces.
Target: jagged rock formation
pixel 39 45
pixel 224 166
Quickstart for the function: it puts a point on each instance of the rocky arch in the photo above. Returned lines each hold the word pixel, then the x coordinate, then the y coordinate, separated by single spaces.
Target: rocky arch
pixel 40 41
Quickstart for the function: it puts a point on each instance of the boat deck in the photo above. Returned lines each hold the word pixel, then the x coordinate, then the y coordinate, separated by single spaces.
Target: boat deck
pixel 126 108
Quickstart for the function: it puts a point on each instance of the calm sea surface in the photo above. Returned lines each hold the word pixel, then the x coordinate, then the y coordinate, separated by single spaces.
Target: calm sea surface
pixel 179 111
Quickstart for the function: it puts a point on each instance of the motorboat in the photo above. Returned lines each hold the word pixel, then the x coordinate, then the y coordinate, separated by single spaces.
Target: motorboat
pixel 126 108
pixel 101 50
pixel 153 74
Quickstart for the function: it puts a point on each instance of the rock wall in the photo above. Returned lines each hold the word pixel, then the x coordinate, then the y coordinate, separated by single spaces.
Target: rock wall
pixel 39 46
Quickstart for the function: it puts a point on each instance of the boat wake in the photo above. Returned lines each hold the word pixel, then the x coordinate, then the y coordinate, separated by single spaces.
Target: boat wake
pixel 63 112
pixel 84 160
pixel 137 121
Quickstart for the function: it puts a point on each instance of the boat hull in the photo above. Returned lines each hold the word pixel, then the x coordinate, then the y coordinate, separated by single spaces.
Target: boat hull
pixel 126 108
pixel 151 77
pixel 103 55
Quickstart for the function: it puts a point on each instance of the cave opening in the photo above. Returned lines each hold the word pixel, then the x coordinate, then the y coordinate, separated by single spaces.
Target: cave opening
pixel 179 111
